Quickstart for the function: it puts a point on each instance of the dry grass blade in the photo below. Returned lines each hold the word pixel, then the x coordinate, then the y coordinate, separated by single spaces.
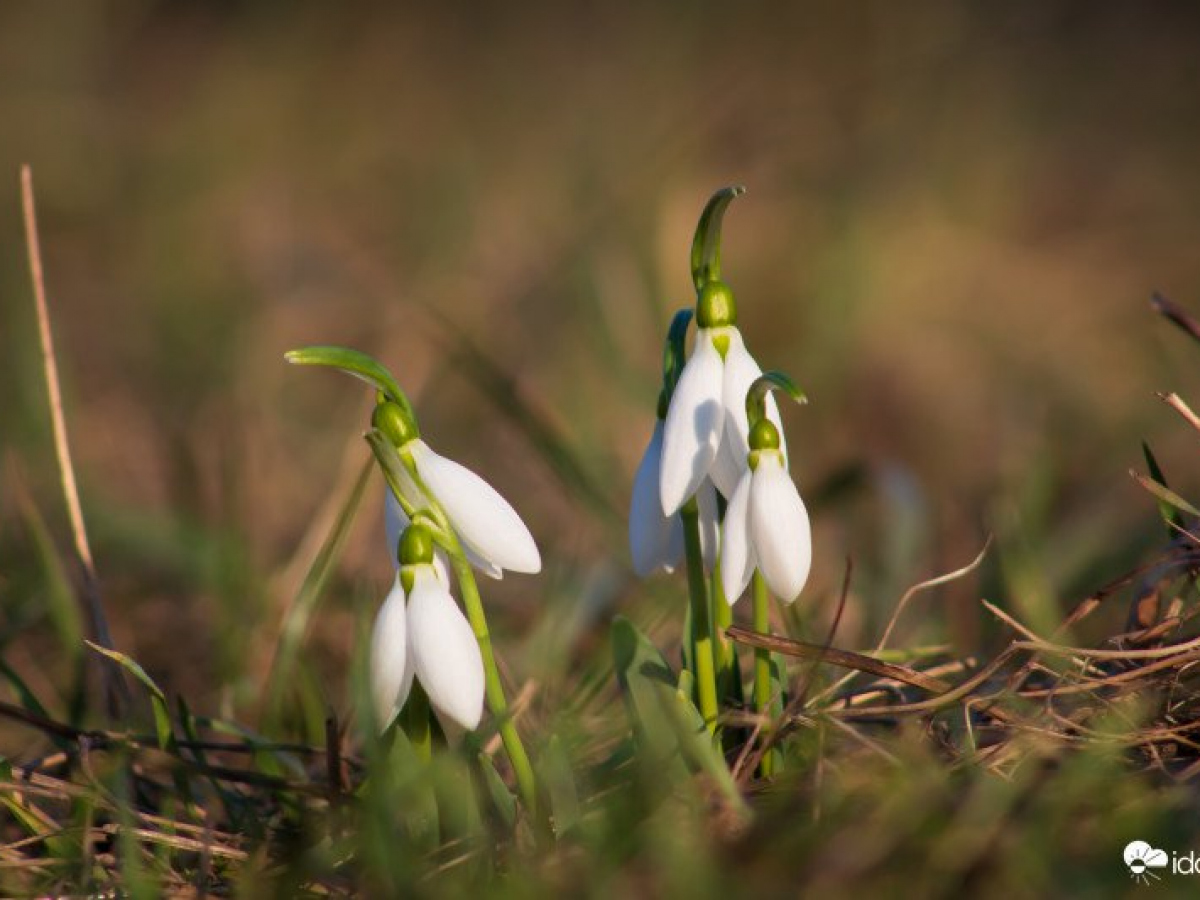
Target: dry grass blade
pixel 933 704
pixel 116 690
pixel 903 604
pixel 1177 403
pixel 843 658
pixel 1176 314
pixel 177 842
pixel 1035 643
pixel 938 581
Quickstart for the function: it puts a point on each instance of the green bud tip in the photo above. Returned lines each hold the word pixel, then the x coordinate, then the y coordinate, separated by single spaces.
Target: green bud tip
pixel 764 435
pixel 715 306
pixel 416 545
pixel 394 422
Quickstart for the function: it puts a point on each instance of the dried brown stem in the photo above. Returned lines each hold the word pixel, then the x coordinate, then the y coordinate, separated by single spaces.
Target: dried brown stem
pixel 116 691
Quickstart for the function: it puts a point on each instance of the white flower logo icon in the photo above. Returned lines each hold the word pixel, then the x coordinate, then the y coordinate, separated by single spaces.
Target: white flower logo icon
pixel 1140 857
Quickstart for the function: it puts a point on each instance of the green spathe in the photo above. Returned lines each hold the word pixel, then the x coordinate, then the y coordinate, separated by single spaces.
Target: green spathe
pixel 756 397
pixel 706 245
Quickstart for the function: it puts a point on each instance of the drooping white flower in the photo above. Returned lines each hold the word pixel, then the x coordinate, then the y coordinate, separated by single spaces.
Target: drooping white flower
pixel 706 430
pixel 766 527
pixel 484 521
pixel 492 534
pixel 425 635
pixel 656 540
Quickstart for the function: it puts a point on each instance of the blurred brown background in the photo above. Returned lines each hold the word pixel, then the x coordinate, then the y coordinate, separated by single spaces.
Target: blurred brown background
pixel 956 215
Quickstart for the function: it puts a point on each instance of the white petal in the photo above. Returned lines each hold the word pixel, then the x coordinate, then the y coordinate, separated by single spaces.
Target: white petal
pixel 740 372
pixel 737 551
pixel 484 521
pixel 395 520
pixel 692 432
pixel 650 532
pixel 779 528
pixel 729 465
pixel 487 567
pixel 445 653
pixel 391 668
pixel 710 527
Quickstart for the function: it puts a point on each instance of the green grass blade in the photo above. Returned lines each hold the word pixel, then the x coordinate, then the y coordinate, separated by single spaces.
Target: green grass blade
pixel 158 700
pixel 668 726
pixel 1168 512
pixel 298 617
pixel 1164 495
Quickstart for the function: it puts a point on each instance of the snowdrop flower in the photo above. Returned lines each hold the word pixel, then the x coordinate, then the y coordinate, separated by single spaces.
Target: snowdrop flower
pixel 489 529
pixel 766 524
pixel 655 539
pixel 421 633
pixel 706 429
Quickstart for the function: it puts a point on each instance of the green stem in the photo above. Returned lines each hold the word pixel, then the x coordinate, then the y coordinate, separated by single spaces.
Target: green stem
pixel 496 701
pixel 762 665
pixel 416 722
pixel 722 618
pixel 702 660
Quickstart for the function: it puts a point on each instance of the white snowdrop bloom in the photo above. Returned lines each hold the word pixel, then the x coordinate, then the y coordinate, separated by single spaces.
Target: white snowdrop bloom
pixel 421 633
pixel 766 527
pixel 484 521
pixel 706 430
pixel 492 534
pixel 656 540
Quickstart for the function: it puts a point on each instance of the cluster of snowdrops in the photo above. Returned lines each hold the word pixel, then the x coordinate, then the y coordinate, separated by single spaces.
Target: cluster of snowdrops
pixel 712 492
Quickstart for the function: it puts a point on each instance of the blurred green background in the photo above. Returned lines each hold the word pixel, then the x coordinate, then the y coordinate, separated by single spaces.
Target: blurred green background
pixel 956 216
